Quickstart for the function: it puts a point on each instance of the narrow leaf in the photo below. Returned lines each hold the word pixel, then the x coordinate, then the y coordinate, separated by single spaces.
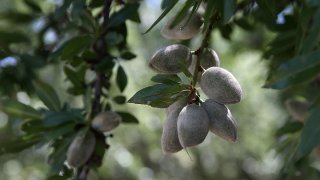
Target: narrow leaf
pixel 121 16
pixel 295 71
pixel 310 133
pixel 17 109
pixel 47 95
pixel 166 79
pixel 74 46
pixel 229 8
pixel 159 95
pixel 164 13
pixel 128 118
pixel 18 144
pixel 122 80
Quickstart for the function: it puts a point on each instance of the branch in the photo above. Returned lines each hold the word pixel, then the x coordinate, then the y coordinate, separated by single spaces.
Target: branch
pixel 100 49
pixel 204 44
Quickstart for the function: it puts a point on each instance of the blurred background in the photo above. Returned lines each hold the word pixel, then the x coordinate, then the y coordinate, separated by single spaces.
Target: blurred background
pixel 135 151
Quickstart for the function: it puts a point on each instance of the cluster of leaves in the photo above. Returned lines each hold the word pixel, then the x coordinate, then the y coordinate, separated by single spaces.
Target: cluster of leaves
pixel 98 44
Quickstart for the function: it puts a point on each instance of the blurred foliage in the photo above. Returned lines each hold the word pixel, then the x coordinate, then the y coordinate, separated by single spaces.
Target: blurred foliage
pixel 85 48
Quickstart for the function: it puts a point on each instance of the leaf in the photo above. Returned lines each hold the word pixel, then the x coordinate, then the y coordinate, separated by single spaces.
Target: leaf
pixel 121 16
pixel 17 109
pixel 313 36
pixel 229 8
pixel 58 118
pixel 12 37
pixel 313 3
pixel 183 12
pixel 18 144
pixel 128 118
pixel 74 77
pixel 268 7
pixel 167 3
pixel 74 46
pixel 122 80
pixel 127 55
pixel 290 127
pixel 33 5
pixel 57 158
pixel 47 95
pixel 296 71
pixel 166 79
pixel 159 95
pixel 120 99
pixel 58 132
pixel 310 133
pixel 164 13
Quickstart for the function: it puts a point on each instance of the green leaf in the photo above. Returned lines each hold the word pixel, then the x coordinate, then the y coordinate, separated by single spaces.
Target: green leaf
pixel 127 55
pixel 268 6
pixel 127 117
pixel 295 71
pixel 121 16
pixel 18 144
pixel 58 156
pixel 122 80
pixel 33 5
pixel 290 127
pixel 47 95
pixel 164 13
pixel 167 3
pixel 159 95
pixel 17 109
pixel 310 133
pixel 313 3
pixel 166 79
pixel 208 13
pixel 59 131
pixel 12 37
pixel 229 8
pixel 58 118
pixel 183 12
pixel 313 36
pixel 74 46
pixel 73 76
pixel 119 99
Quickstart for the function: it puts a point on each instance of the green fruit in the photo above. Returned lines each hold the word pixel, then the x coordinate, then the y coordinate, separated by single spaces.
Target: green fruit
pixel 221 121
pixel 193 125
pixel 168 60
pixel 184 29
pixel 169 138
pixel 220 85
pixel 298 109
pixel 106 121
pixel 81 149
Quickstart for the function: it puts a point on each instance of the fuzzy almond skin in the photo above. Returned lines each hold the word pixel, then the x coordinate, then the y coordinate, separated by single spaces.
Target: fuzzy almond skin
pixel 80 150
pixel 209 59
pixel 297 109
pixel 221 86
pixel 168 60
pixel 221 120
pixel 169 138
pixel 106 121
pixel 182 31
pixel 193 125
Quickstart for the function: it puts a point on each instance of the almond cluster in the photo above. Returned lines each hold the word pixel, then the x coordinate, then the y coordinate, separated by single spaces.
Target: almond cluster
pixel 188 123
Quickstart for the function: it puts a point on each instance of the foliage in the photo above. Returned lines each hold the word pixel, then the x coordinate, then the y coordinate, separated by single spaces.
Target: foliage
pixel 91 37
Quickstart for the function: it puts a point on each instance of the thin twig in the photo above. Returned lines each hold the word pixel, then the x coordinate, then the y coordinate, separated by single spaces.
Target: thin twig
pixel 204 44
